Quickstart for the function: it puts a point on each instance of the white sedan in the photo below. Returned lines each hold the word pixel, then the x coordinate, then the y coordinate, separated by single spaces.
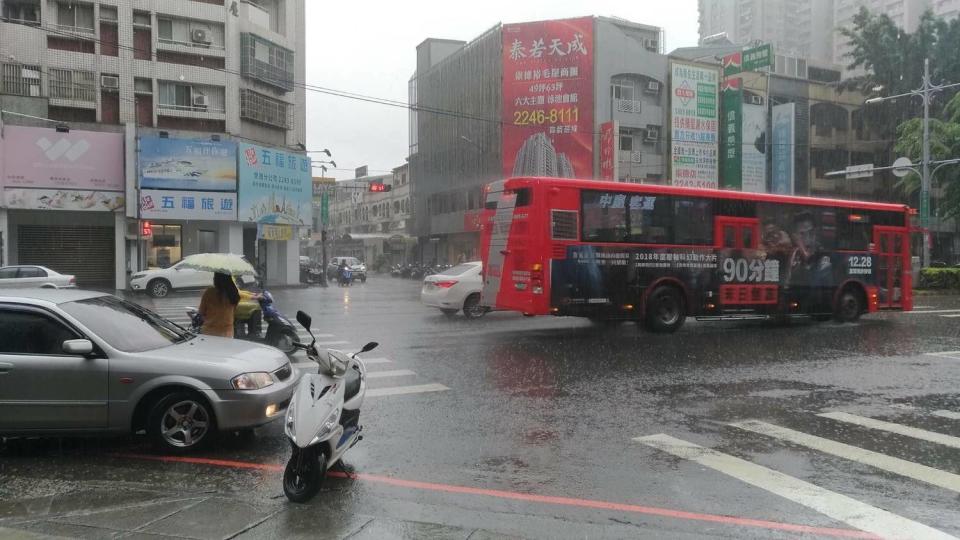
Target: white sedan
pixel 162 281
pixel 30 276
pixel 455 289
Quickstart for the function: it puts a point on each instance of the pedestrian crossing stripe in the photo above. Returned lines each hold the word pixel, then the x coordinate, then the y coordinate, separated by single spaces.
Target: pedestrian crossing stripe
pixel 894 465
pixel 846 509
pixel 389 373
pixel 953 355
pixel 404 390
pixel 931 311
pixel 907 431
pixel 947 414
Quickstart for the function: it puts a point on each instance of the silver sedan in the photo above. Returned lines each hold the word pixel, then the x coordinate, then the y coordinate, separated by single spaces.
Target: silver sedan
pixel 76 362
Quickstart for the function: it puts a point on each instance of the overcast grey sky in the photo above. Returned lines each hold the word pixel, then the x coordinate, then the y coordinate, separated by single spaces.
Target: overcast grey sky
pixel 369 47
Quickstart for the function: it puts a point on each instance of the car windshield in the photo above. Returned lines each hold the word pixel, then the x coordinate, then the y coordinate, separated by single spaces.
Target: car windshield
pixel 126 326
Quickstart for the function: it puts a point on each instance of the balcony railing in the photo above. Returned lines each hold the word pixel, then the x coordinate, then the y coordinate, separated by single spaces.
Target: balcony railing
pixel 628 105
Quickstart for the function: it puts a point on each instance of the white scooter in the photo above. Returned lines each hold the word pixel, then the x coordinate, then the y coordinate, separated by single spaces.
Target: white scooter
pixel 323 418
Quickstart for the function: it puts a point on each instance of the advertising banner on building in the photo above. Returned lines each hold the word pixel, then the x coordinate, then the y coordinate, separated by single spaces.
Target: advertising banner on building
pixel 64 199
pixel 268 231
pixel 187 164
pixel 732 158
pixel 203 205
pixel 754 153
pixel 693 119
pixel 609 159
pixel 548 98
pixel 782 148
pixel 751 59
pixel 275 186
pixel 74 160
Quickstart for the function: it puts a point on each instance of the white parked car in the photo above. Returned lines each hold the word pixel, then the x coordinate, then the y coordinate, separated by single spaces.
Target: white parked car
pixel 29 276
pixel 160 282
pixel 456 289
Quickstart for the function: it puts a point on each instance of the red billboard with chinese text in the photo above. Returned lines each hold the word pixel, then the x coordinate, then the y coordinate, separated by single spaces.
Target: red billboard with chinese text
pixel 548 98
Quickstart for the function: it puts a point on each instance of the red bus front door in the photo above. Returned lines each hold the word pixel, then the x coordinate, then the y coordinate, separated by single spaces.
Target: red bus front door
pixel 893 256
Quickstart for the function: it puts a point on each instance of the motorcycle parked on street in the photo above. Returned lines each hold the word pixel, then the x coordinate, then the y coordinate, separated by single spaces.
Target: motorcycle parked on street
pixel 323 418
pixel 280 331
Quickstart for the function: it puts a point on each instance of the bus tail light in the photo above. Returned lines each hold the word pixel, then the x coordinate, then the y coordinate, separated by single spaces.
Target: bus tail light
pixel 536 278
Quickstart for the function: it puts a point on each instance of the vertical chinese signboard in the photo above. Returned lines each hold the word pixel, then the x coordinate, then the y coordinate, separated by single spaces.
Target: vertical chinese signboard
pixel 275 189
pixel 732 134
pixel 693 114
pixel 783 148
pixel 609 132
pixel 548 98
pixel 754 155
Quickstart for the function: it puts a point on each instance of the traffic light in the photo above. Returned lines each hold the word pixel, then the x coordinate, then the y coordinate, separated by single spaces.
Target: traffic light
pixel 379 187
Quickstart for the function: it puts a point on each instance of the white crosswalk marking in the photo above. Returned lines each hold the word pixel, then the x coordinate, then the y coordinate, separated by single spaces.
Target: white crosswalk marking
pixel 953 316
pixel 947 414
pixel 907 431
pixel 326 343
pixel 401 390
pixel 932 311
pixel 953 355
pixel 377 361
pixel 840 507
pixel 899 466
pixel 391 373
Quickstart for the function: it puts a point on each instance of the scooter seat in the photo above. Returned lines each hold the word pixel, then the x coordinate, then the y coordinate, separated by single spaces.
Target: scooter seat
pixel 352 384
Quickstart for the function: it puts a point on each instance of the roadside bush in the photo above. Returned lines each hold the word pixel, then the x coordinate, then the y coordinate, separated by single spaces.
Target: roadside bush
pixel 939 278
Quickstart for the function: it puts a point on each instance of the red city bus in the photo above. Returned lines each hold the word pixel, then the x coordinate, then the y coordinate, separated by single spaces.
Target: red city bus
pixel 657 254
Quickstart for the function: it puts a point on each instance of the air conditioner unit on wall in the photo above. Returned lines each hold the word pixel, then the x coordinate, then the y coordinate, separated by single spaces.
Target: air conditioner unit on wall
pixel 653 87
pixel 201 101
pixel 756 100
pixel 653 133
pixel 651 45
pixel 199 35
pixel 109 82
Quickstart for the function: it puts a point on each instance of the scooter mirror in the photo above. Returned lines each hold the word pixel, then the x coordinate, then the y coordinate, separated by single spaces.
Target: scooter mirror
pixel 369 347
pixel 304 319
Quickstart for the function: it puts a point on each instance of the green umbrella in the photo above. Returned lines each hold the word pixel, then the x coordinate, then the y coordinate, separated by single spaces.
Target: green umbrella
pixel 224 263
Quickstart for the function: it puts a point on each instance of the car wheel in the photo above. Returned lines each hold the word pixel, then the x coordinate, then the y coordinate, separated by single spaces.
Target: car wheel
pixel 472 308
pixel 158 288
pixel 849 306
pixel 180 422
pixel 450 312
pixel 665 310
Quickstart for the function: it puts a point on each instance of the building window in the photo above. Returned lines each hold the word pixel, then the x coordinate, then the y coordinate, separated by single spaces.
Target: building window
pixel 266 62
pixel 163 249
pixel 189 33
pixel 108 13
pixel 21 12
pixel 20 80
pixel 72 85
pixel 266 110
pixel 187 97
pixel 75 17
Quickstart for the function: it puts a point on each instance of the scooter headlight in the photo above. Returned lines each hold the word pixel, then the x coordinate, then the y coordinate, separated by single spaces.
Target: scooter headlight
pixel 328 426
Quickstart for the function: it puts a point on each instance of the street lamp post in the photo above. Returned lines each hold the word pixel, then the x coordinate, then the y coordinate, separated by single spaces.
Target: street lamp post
pixel 926 92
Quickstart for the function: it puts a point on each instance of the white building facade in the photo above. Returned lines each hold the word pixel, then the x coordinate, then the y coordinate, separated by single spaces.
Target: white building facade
pixel 209 71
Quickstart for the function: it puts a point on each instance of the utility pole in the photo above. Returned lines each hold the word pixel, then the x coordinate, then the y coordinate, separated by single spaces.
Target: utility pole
pixel 925 92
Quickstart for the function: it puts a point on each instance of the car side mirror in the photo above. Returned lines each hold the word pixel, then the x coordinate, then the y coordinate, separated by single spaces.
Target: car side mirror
pixel 80 347
pixel 369 347
pixel 304 319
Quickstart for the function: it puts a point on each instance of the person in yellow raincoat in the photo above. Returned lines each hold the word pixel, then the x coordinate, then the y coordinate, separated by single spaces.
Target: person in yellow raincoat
pixel 219 306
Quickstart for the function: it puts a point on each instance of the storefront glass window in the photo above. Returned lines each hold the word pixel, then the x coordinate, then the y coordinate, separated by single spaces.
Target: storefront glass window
pixel 163 250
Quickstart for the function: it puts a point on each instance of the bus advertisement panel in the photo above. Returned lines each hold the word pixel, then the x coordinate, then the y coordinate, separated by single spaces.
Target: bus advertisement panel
pixel 658 254
pixel 548 98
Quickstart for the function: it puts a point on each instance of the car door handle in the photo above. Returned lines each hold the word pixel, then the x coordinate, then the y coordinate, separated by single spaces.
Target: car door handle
pixel 5 367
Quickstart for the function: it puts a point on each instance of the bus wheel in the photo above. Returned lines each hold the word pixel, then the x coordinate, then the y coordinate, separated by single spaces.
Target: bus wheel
pixel 665 310
pixel 849 305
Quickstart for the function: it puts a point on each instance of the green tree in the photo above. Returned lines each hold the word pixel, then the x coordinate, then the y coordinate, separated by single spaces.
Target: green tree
pixel 944 144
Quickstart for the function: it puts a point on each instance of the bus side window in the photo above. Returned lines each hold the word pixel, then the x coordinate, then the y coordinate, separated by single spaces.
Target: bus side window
pixel 729 236
pixel 746 235
pixel 524 197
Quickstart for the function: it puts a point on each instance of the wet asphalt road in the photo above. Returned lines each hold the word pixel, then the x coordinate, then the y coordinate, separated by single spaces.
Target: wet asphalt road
pixel 556 428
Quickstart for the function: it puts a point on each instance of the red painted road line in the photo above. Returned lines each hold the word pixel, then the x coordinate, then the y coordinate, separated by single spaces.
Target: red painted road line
pixel 528 497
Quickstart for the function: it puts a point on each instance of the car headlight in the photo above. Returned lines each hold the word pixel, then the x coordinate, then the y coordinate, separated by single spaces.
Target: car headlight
pixel 252 381
pixel 138 276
